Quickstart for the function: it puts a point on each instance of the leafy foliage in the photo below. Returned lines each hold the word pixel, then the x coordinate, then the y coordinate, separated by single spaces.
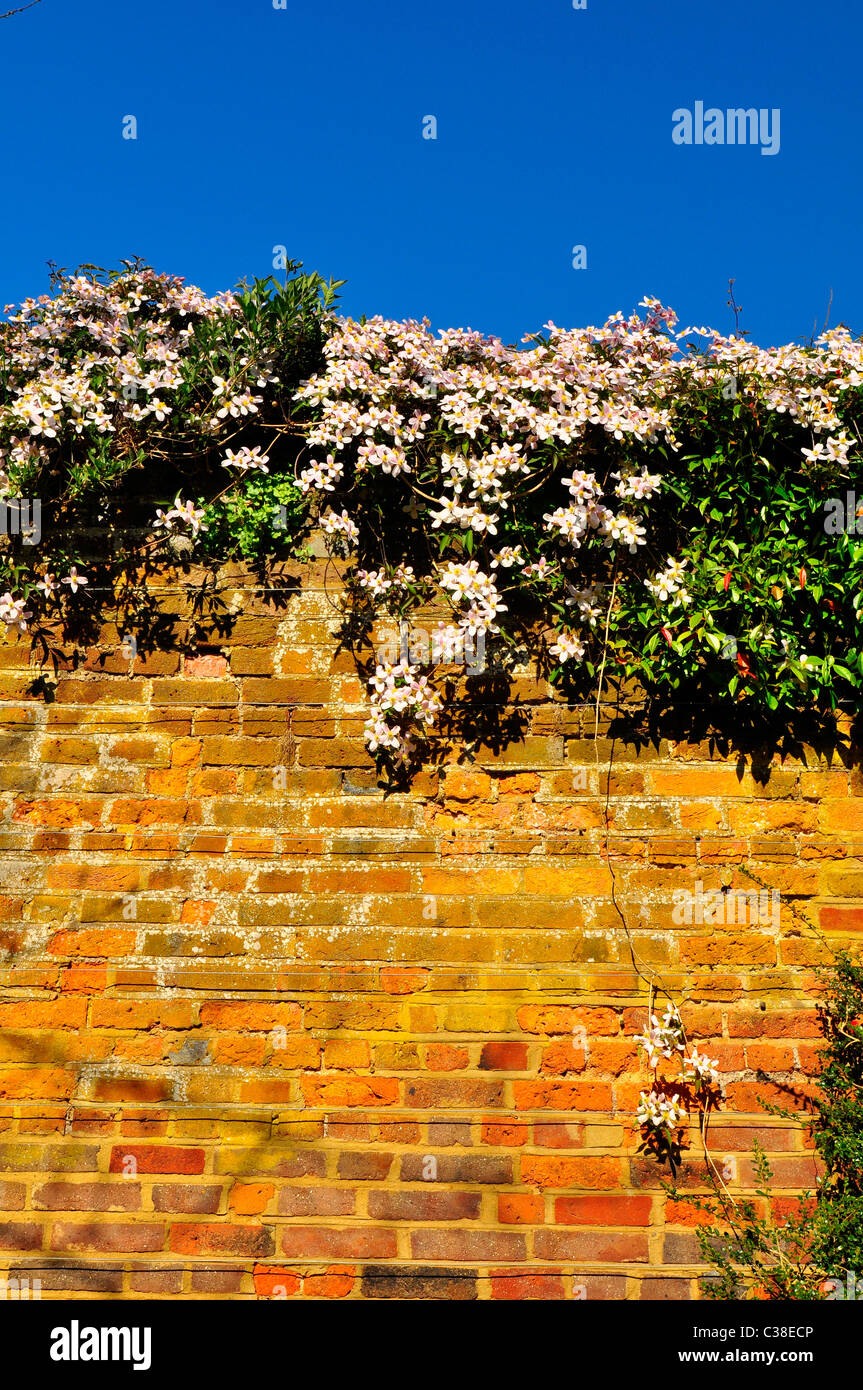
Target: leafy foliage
pixel 122 389
pixel 255 521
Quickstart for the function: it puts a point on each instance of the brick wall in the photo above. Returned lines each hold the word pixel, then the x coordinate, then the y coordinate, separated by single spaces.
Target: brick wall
pixel 268 1030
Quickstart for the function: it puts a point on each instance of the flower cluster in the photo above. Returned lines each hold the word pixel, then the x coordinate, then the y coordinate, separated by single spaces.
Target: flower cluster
pixel 663 1039
pixel 340 524
pixel 401 701
pixel 586 602
pixel 246 459
pixel 116 370
pixel 380 584
pixel 468 426
pixel 630 485
pixel 664 1114
pixel 476 433
pixel 660 1115
pixel 701 1070
pixel 97 358
pixel 185 512
pixel 667 585
pixel 13 612
pixel 467 584
pixel 568 647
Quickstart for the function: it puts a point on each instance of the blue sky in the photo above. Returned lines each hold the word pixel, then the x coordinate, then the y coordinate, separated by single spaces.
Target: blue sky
pixel 304 127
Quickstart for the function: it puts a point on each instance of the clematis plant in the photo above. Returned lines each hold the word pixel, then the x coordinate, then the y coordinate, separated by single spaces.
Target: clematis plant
pixel 632 499
pixel 132 377
pixel 476 441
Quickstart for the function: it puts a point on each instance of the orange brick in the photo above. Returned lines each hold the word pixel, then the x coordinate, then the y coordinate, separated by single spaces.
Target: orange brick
pixel 572 1171
pixel 250 1199
pixel 276 1281
pixel 520 1209
pixel 351 1090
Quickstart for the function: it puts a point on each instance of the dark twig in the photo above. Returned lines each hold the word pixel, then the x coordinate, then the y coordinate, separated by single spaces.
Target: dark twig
pixel 737 309
pixel 20 9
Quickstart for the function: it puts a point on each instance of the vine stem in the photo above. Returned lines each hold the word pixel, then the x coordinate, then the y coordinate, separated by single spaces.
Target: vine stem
pixel 651 979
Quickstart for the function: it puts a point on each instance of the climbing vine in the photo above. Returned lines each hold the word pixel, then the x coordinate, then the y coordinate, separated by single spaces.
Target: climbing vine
pixel 676 505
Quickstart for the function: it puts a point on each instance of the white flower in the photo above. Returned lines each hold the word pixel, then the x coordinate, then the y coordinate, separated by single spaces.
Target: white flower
pixel 834 451
pixel 659 1112
pixel 567 647
pixel 189 513
pixel 74 579
pixel 401 701
pixel 246 458
pixel 701 1069
pixel 589 611
pixel 638 485
pixel 668 583
pixel 322 476
pixel 13 612
pixel 571 524
pixel 244 403
pixel 538 569
pixel 340 524
pixel 508 556
pixel 627 530
pixel 377 583
pixel 583 486
pixel 663 1039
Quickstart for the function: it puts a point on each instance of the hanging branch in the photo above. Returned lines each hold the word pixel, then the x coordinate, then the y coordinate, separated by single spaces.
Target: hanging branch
pixel 20 9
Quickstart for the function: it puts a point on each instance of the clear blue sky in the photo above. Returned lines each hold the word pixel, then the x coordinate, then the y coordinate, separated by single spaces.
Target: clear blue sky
pixel 303 127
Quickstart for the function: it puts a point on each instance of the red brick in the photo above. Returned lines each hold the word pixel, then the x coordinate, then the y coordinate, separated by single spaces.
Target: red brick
pixel 541 1284
pixel 88 1196
pixel 611 1210
pixel 110 1237
pixel 158 1158
pixel 210 1238
pixel 336 1282
pixel 423 1206
pixel 520 1209
pixel 504 1056
pixel 462 1246
pixel 186 1198
pixel 357 1243
pixel 599 1247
